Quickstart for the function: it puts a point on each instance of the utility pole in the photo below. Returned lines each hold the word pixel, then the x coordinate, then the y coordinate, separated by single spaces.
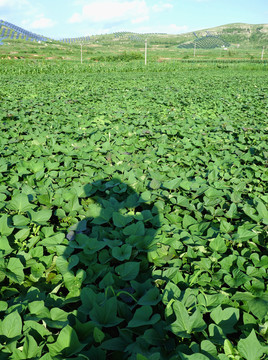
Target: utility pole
pixel 194 49
pixel 145 61
pixel 262 53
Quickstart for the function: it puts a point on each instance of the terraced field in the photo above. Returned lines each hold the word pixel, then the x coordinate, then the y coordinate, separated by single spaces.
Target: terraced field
pixel 133 211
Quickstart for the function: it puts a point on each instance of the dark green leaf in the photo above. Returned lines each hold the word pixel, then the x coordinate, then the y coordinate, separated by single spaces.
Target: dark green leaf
pixel 143 316
pixel 128 271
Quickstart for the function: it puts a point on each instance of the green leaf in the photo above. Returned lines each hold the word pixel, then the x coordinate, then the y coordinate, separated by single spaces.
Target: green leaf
pixel 40 217
pixel 39 328
pixel 185 184
pixel 98 335
pixel 172 184
pixel 141 357
pixel 94 210
pixel 5 230
pixel 250 348
pixel 5 248
pixel 258 306
pixel 143 317
pixel 74 282
pixel 218 245
pixel 128 271
pixel 225 318
pixel 186 324
pixel 67 343
pixel 152 297
pixel 15 270
pixel 37 270
pixel 251 212
pixel 105 315
pixel 228 348
pixel 56 239
pixel 236 279
pixel 108 280
pixel 145 196
pixel 20 220
pixel 59 318
pixel 153 337
pixel 104 217
pixel 213 193
pixel 20 203
pixel 30 349
pixel 3 305
pixel 65 265
pixel 188 221
pixel 229 128
pixel 193 356
pixel 209 349
pixel 58 314
pixel 184 202
pixel 12 325
pixel 122 253
pixel 22 234
pixel 39 309
pixel 155 184
pixel 84 331
pixel 90 245
pixel 135 229
pixel 262 211
pixel 226 227
pixel 120 220
pixel 232 212
pixel 236 197
pixel 216 334
pixel 223 357
pixel 243 234
pixel 72 205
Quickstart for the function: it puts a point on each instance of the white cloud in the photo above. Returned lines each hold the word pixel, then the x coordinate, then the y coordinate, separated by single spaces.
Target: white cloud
pixel 13 3
pixel 162 7
pixel 42 23
pixel 115 10
pixel 76 18
pixel 79 2
pixel 140 20
pixel 177 29
pixel 4 3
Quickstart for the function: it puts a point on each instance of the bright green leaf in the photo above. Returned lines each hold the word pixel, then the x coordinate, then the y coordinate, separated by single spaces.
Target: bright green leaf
pixel 12 325
pixel 67 343
pixel 20 203
pixel 250 348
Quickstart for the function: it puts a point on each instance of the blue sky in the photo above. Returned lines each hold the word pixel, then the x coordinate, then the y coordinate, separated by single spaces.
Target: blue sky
pixel 72 18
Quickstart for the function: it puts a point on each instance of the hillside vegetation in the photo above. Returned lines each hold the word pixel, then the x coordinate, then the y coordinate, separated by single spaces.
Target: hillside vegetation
pixel 244 41
pixel 238 33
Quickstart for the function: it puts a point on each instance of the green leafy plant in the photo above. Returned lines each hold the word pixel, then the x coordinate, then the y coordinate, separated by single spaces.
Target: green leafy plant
pixel 133 212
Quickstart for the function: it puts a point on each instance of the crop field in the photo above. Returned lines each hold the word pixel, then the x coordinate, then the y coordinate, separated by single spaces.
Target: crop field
pixel 133 211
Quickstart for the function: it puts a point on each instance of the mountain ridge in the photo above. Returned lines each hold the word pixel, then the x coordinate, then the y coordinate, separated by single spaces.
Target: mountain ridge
pixel 233 33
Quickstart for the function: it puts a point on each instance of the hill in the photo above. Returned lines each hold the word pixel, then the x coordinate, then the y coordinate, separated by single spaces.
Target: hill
pixel 244 41
pixel 11 31
pixel 237 33
pixel 231 33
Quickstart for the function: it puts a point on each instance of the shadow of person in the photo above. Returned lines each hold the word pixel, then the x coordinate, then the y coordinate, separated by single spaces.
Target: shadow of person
pixel 106 270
